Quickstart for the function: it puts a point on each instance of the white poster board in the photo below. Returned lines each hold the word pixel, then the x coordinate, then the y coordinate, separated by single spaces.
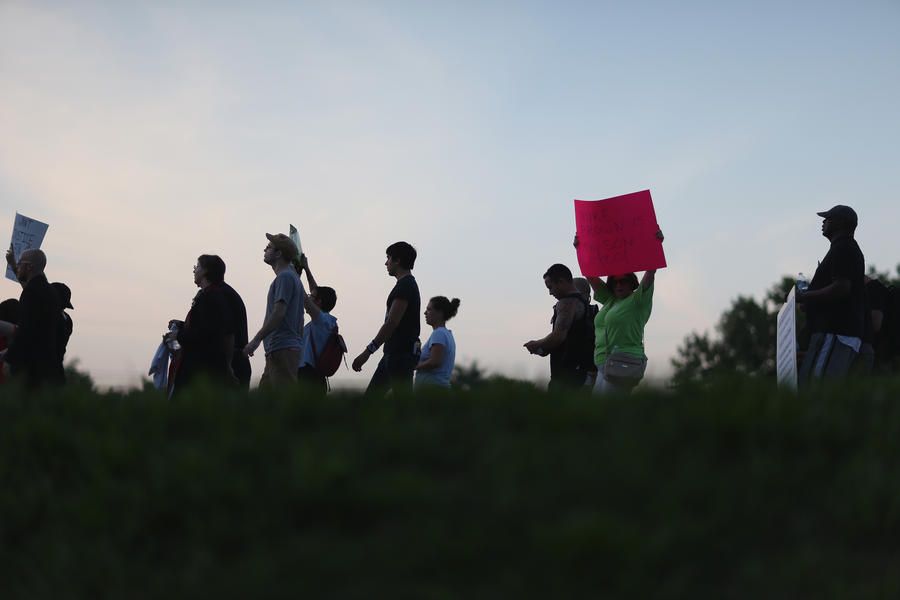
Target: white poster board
pixel 27 234
pixel 786 344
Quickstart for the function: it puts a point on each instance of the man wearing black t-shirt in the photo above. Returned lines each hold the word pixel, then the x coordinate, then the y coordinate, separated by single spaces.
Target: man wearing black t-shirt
pixel 400 331
pixel 835 301
pixel 32 356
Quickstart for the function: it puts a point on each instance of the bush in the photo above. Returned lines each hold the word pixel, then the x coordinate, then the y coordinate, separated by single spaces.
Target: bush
pixel 734 491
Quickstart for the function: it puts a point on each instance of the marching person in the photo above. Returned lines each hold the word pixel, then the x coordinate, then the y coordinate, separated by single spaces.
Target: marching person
pixel 835 301
pixel 400 331
pixel 205 338
pixel 619 328
pixel 33 356
pixel 282 332
pixel 569 342
pixel 439 353
pixel 317 332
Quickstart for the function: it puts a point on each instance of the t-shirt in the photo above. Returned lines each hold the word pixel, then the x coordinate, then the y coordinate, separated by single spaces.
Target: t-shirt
pixel 619 325
pixel 403 340
pixel 316 332
pixel 441 375
pixel 847 315
pixel 286 288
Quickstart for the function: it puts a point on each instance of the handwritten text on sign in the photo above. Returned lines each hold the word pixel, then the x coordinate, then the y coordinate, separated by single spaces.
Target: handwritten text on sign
pixel 27 234
pixel 618 235
pixel 786 344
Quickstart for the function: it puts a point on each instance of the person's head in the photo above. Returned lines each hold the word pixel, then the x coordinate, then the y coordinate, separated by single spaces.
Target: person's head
pixel 31 264
pixel 64 293
pixel 401 257
pixel 280 250
pixel 583 287
pixel 622 286
pixel 9 311
pixel 324 297
pixel 838 221
pixel 558 280
pixel 440 309
pixel 210 269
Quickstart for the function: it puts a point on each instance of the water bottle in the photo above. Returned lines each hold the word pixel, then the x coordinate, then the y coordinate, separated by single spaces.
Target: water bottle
pixel 173 344
pixel 802 283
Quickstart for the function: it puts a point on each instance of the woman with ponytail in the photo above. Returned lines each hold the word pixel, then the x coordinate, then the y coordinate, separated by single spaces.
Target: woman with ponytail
pixel 439 352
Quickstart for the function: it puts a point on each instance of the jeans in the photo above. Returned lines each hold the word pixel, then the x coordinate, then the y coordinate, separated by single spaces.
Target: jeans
pixel 394 372
pixel 826 358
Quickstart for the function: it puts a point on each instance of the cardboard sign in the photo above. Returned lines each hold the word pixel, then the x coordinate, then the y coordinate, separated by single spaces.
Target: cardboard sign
pixel 618 235
pixel 27 234
pixel 295 237
pixel 786 344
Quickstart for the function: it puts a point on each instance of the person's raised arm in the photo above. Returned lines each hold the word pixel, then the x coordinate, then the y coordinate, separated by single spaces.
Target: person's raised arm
pixel 650 276
pixel 11 261
pixel 304 264
pixel 395 314
pixel 565 316
pixel 312 308
pixel 597 284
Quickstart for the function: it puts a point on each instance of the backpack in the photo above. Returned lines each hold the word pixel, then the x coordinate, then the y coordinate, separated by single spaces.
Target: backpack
pixel 329 359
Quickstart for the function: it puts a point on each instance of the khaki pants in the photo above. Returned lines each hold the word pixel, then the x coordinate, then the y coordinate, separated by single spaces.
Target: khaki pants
pixel 281 368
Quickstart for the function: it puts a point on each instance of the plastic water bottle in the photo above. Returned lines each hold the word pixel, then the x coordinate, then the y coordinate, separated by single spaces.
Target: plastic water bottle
pixel 802 283
pixel 173 344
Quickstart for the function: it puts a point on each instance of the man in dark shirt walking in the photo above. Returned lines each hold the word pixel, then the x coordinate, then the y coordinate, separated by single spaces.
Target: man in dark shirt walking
pixel 835 301
pixel 570 343
pixel 400 331
pixel 33 355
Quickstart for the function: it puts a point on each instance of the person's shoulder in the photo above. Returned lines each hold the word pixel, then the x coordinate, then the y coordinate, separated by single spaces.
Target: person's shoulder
pixel 409 282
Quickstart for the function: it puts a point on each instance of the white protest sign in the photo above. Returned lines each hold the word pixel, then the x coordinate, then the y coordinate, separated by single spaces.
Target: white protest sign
pixel 295 237
pixel 786 343
pixel 27 234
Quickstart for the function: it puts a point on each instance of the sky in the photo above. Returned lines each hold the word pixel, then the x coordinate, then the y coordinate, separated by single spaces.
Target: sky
pixel 148 133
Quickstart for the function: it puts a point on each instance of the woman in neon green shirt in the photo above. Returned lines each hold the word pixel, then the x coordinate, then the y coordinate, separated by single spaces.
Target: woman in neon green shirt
pixel 619 328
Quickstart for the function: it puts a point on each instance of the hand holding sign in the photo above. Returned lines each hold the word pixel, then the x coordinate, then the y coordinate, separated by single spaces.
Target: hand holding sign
pixel 27 234
pixel 618 235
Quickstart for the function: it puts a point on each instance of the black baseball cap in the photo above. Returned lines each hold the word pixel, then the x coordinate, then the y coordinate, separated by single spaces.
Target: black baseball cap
pixel 845 213
pixel 64 293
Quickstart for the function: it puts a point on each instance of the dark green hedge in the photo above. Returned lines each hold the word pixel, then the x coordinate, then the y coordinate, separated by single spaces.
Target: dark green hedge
pixel 730 491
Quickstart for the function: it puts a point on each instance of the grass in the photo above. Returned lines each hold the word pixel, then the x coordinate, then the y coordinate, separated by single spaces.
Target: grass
pixel 731 491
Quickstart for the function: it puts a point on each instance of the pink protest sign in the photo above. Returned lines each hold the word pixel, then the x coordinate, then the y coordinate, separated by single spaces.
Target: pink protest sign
pixel 618 235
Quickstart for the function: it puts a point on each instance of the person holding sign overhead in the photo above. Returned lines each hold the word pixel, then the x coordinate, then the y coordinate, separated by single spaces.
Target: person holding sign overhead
pixel 619 328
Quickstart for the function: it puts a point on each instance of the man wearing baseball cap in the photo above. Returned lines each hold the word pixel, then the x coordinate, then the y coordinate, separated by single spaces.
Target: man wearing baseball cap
pixel 282 330
pixel 64 327
pixel 835 301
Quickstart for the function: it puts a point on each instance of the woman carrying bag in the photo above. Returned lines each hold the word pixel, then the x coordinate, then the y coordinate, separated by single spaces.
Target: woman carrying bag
pixel 619 328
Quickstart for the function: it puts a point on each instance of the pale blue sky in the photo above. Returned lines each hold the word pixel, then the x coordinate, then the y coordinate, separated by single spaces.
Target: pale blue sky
pixel 147 134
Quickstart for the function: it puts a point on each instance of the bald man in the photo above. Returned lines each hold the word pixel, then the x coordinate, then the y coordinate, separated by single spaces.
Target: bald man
pixel 32 356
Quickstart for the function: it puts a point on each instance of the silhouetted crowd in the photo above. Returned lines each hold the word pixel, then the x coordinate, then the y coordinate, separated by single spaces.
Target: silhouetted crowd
pixel 852 325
